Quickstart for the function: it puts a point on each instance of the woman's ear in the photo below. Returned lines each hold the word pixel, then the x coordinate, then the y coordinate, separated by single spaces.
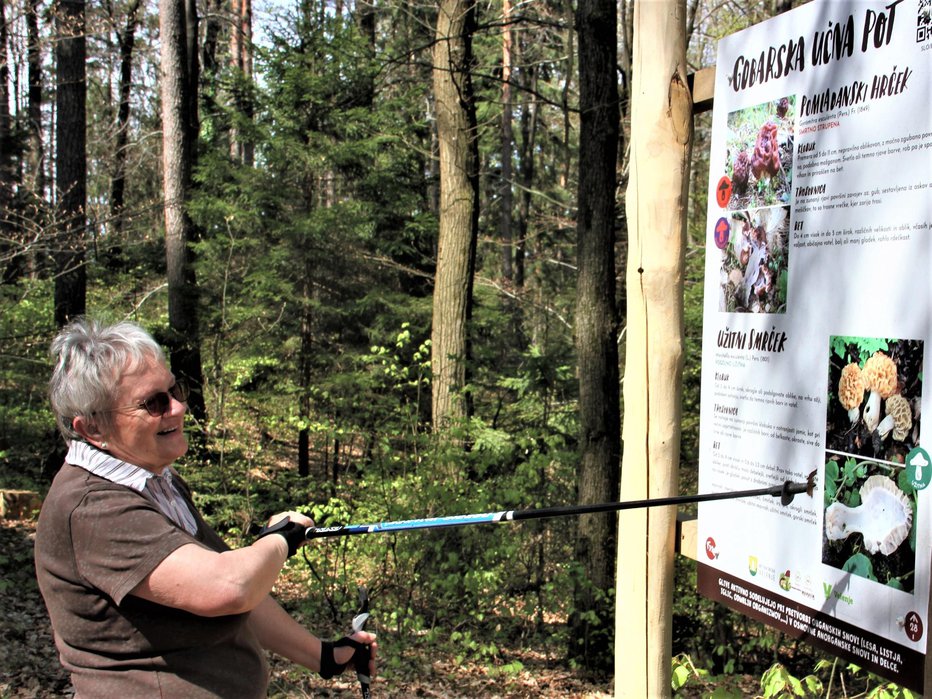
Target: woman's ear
pixel 88 430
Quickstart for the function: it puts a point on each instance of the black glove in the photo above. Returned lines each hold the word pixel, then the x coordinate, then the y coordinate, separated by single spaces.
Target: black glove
pixel 292 531
pixel 331 668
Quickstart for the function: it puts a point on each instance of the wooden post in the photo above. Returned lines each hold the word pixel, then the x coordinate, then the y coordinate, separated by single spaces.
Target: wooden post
pixel 656 203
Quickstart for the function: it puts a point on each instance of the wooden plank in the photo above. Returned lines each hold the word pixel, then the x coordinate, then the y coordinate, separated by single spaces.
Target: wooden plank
pixel 687 530
pixel 702 85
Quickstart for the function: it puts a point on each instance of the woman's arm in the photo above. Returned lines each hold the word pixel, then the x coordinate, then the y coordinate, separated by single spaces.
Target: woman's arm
pixel 209 583
pixel 278 632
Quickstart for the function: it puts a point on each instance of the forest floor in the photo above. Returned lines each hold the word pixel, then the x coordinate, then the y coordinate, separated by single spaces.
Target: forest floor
pixel 29 665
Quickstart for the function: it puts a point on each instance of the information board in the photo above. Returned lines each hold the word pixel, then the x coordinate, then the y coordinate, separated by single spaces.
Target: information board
pixel 817 326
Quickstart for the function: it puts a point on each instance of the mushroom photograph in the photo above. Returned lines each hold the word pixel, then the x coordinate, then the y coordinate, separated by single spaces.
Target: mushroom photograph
pixel 869 522
pixel 759 154
pixel 874 397
pixel 754 262
pixel 872 424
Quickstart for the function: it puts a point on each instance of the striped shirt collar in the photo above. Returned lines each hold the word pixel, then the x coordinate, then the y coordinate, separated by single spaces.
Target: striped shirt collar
pixel 160 490
pixel 102 464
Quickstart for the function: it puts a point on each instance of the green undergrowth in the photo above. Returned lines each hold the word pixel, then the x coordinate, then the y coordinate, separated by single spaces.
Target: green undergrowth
pixel 828 678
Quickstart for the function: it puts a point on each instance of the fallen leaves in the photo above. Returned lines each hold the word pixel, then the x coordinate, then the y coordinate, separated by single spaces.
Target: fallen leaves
pixel 29 665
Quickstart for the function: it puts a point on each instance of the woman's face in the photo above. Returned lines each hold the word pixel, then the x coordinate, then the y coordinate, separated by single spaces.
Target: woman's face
pixel 150 442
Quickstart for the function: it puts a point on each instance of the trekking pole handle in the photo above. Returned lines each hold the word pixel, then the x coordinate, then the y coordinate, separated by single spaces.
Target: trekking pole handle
pixel 363 654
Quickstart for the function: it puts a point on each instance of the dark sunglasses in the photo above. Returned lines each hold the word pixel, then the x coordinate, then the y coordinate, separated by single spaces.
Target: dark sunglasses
pixel 158 404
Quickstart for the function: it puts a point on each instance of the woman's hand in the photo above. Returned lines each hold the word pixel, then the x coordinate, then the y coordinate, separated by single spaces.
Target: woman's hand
pixel 296 517
pixel 290 525
pixel 358 650
pixel 345 654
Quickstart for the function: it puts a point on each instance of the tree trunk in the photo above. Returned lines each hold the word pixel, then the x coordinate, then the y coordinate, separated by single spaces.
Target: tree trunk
pixel 248 149
pixel 304 369
pixel 179 134
pixel 565 110
pixel 366 22
pixel 507 141
pixel 596 330
pixel 127 42
pixel 661 135
pixel 241 148
pixel 71 160
pixel 7 185
pixel 529 122
pixel 6 154
pixel 34 79
pixel 459 209
pixel 212 28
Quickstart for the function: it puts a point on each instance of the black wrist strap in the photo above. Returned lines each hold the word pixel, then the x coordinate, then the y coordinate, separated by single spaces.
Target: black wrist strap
pixel 331 668
pixel 293 533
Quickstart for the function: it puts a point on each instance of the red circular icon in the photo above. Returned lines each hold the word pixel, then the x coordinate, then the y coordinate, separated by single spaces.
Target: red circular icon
pixel 723 191
pixel 710 549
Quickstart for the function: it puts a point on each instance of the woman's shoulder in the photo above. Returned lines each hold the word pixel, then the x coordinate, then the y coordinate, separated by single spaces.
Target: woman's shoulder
pixel 74 487
pixel 74 481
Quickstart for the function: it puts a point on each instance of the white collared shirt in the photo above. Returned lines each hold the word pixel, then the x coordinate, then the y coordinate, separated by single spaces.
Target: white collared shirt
pixel 159 489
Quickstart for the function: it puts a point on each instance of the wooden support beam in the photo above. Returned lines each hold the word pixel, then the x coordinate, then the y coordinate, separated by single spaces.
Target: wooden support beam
pixel 702 86
pixel 687 530
pixel 655 205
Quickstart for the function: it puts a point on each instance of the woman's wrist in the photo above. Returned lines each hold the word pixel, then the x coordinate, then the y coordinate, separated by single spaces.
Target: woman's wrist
pixel 330 667
pixel 292 533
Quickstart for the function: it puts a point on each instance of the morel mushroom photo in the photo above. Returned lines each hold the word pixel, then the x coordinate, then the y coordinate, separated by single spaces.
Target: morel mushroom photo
pixel 759 157
pixel 874 397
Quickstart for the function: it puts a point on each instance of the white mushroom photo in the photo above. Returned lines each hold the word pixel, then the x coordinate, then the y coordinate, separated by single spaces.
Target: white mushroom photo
pixel 870 516
pixel 883 518
pixel 872 426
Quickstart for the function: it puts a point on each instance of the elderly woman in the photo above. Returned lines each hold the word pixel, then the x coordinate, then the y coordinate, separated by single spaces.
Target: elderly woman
pixel 145 598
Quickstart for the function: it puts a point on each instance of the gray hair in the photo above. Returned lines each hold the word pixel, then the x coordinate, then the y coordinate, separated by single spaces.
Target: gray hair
pixel 90 358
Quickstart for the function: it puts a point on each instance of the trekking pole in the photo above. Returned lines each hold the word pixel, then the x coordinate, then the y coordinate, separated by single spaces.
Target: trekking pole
pixel 785 492
pixel 362 655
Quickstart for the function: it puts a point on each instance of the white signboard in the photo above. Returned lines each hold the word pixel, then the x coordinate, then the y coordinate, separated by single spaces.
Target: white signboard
pixel 816 336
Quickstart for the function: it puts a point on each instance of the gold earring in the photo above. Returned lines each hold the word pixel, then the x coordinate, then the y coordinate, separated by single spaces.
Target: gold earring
pixel 103 445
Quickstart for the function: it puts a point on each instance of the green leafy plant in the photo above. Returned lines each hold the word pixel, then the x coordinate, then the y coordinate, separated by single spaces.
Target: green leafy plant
pixel 777 682
pixel 684 671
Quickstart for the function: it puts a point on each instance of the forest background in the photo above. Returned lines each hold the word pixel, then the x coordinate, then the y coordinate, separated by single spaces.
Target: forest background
pixel 355 227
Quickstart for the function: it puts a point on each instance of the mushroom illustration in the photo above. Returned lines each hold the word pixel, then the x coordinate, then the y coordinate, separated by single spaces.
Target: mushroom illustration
pixel 883 518
pixel 766 158
pixel 880 379
pixel 851 390
pixel 918 462
pixel 899 418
